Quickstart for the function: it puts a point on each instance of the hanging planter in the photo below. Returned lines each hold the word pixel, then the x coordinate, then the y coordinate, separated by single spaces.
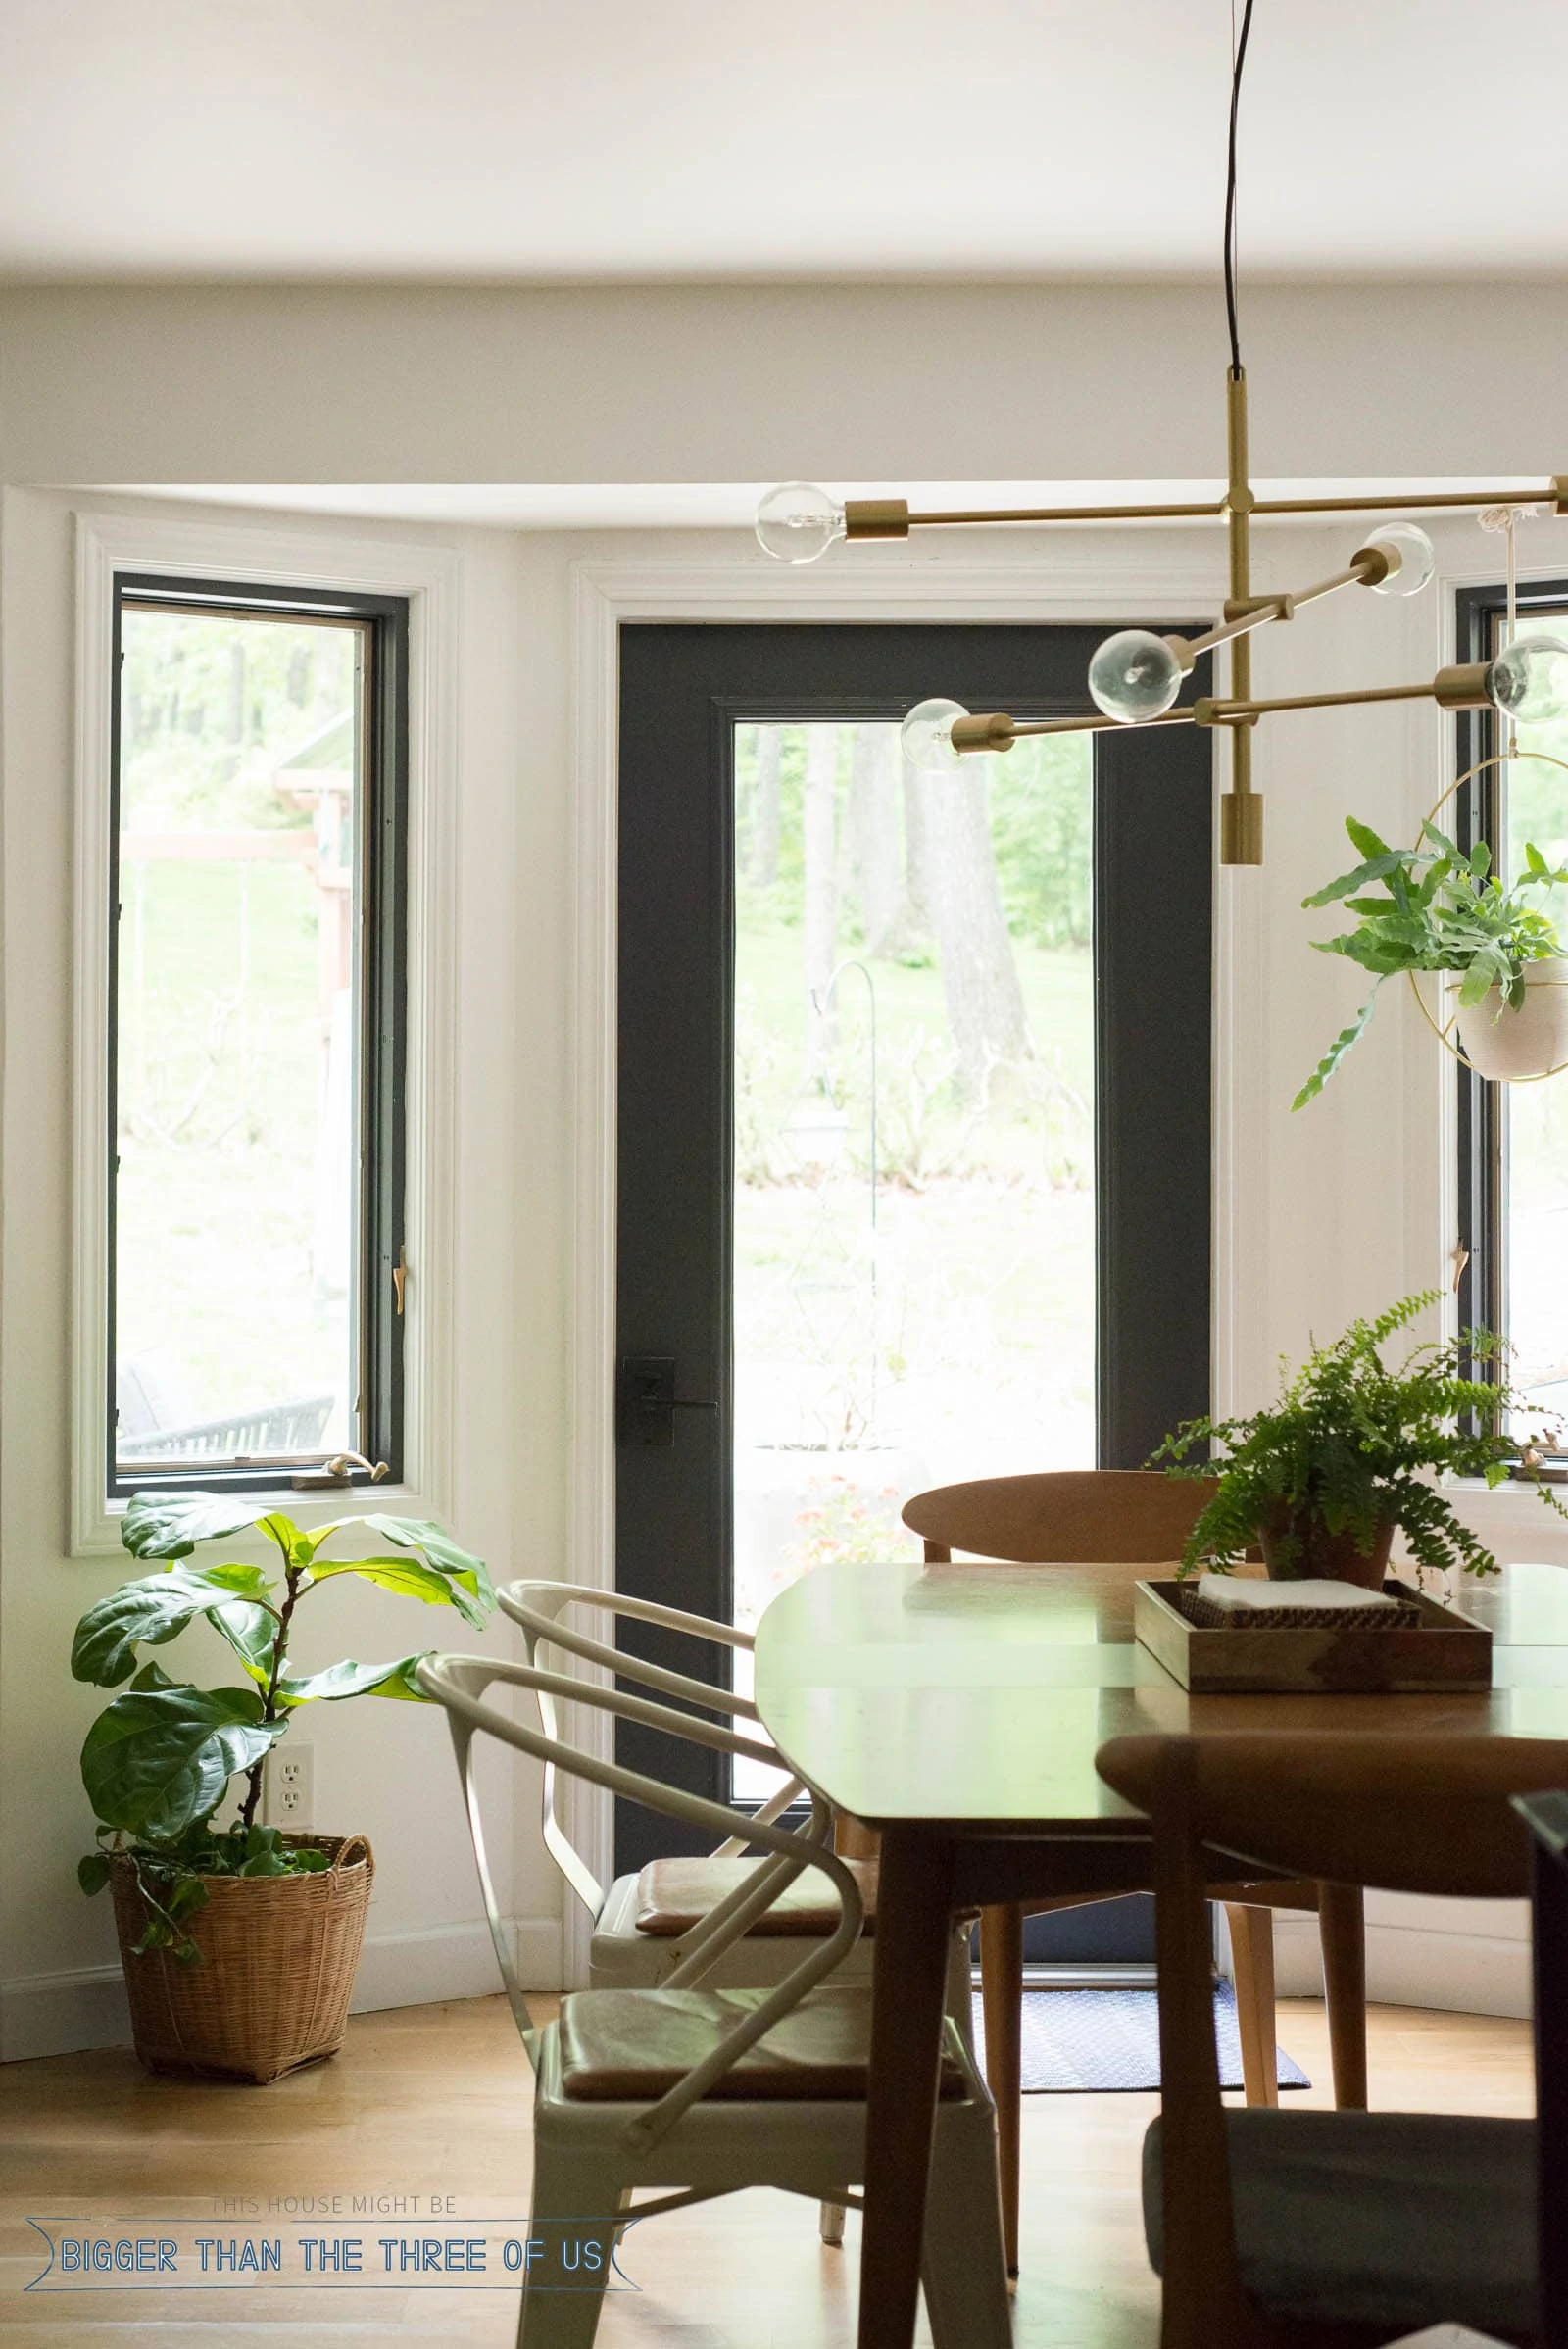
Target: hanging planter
pixel 1434 908
pixel 1514 1043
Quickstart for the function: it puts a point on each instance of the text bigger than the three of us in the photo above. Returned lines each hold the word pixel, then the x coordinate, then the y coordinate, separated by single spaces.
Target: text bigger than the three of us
pixel 583 2256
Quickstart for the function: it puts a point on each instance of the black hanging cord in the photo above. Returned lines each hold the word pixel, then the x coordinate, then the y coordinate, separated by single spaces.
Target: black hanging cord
pixel 1230 191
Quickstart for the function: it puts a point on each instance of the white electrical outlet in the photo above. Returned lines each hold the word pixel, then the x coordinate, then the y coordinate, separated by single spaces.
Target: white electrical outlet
pixel 291 1785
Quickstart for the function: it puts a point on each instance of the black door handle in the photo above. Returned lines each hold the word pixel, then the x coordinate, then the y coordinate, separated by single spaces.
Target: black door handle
pixel 646 1401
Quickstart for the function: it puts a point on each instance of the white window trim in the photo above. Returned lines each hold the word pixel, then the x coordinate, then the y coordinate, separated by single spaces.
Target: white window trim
pixel 223 549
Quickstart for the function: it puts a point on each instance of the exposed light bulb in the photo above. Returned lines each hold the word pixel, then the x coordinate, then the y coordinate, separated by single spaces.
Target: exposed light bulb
pixel 797 522
pixel 1134 675
pixel 1529 680
pixel 926 736
pixel 1412 559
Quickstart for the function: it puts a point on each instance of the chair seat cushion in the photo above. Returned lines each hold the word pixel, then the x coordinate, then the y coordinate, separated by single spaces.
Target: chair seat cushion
pixel 632 2046
pixel 1408 2219
pixel 673 1896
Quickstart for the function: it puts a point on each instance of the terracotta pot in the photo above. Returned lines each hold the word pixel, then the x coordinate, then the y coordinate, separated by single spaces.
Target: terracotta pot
pixel 1528 1043
pixel 1322 1556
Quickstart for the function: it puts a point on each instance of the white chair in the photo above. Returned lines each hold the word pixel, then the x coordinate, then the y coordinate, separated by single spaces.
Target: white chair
pixel 711 2091
pixel 645 1925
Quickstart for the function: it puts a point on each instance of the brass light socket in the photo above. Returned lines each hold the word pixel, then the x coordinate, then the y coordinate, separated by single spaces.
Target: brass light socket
pixel 1462 685
pixel 1240 828
pixel 1373 565
pixel 876 517
pixel 991 732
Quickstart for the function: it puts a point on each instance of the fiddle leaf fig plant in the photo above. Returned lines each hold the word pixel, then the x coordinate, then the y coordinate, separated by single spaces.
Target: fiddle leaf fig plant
pixel 1433 907
pixel 159 1761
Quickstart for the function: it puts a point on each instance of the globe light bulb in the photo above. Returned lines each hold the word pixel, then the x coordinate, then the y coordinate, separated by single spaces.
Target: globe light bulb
pixel 1134 675
pixel 927 737
pixel 1412 559
pixel 797 522
pixel 1529 681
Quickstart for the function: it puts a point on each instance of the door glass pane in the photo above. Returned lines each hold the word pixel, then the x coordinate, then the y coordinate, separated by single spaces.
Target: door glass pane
pixel 1534 1229
pixel 235 1037
pixel 914 1201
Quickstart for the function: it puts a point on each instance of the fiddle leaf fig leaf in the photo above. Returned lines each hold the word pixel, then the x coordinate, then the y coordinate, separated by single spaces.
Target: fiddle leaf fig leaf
pixel 153 1676
pixel 150 1612
pixel 158 1759
pixel 447 1575
pixel 161 1525
pixel 349 1679
pixel 251 1633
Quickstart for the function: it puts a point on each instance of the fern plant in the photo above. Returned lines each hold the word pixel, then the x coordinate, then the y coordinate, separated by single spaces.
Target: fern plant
pixel 1434 908
pixel 1352 1447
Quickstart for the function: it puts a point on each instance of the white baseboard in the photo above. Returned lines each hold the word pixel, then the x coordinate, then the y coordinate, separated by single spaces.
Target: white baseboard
pixel 57 2014
pixel 1461 1973
pixel 454 1961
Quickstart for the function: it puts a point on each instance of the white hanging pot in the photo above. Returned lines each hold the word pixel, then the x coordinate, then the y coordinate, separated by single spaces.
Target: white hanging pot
pixel 1502 1043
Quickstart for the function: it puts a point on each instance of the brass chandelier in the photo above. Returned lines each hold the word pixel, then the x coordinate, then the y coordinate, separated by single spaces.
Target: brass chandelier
pixel 1136 676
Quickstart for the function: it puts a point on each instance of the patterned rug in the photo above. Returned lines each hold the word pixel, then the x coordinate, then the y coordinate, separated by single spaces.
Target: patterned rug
pixel 1096 2041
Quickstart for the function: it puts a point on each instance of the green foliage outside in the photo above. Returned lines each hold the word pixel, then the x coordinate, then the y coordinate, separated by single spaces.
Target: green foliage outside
pixel 1351 1445
pixel 220 1051
pixel 209 709
pixel 157 1762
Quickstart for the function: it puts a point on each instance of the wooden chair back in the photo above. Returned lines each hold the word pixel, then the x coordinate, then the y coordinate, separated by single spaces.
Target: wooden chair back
pixel 1406 1814
pixel 1062 1517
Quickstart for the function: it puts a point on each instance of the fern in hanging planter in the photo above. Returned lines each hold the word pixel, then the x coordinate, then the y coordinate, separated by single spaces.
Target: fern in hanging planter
pixel 1434 908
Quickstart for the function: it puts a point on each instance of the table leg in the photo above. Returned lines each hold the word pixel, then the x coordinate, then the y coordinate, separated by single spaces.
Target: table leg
pixel 1001 1981
pixel 1341 1929
pixel 913 1919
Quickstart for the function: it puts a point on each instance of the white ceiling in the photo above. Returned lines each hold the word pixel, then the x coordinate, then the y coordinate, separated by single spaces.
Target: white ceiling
pixel 507 140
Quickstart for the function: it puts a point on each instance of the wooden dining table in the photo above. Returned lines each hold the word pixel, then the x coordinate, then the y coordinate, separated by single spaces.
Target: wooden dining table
pixel 958 1710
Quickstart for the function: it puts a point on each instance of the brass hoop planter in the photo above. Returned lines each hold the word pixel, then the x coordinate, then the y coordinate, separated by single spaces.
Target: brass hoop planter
pixel 1443 1033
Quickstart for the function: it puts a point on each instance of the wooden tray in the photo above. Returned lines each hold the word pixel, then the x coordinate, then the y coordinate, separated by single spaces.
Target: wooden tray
pixel 1447 1654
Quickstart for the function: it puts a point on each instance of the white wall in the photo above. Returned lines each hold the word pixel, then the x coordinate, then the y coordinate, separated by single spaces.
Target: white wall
pixel 716 383
pixel 385 1770
pixel 1329 1214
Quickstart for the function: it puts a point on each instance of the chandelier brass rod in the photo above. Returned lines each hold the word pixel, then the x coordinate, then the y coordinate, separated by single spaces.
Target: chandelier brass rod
pixel 1214 712
pixel 1554 494
pixel 1209 510
pixel 1087 725
pixel 1282 606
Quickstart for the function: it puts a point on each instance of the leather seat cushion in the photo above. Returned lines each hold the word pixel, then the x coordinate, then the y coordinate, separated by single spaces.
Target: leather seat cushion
pixel 1397 2219
pixel 673 1896
pixel 632 2046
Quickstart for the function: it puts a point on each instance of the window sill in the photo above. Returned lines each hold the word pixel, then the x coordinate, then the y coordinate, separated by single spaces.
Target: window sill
pixel 101 1538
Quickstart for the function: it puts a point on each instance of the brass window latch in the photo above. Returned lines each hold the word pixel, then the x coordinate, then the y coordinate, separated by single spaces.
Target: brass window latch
pixel 400 1278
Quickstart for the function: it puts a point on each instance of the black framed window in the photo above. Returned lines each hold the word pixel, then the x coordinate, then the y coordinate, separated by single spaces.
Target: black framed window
pixel 1513 1139
pixel 257 1024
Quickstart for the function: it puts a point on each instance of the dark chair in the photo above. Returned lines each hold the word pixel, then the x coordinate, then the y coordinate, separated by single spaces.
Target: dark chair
pixel 1343 2230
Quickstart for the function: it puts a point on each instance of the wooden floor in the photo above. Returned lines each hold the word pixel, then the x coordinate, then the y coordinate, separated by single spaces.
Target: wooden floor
pixel 434 2099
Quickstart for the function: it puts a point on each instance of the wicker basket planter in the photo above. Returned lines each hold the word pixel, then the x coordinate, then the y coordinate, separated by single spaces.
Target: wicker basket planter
pixel 278 1957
